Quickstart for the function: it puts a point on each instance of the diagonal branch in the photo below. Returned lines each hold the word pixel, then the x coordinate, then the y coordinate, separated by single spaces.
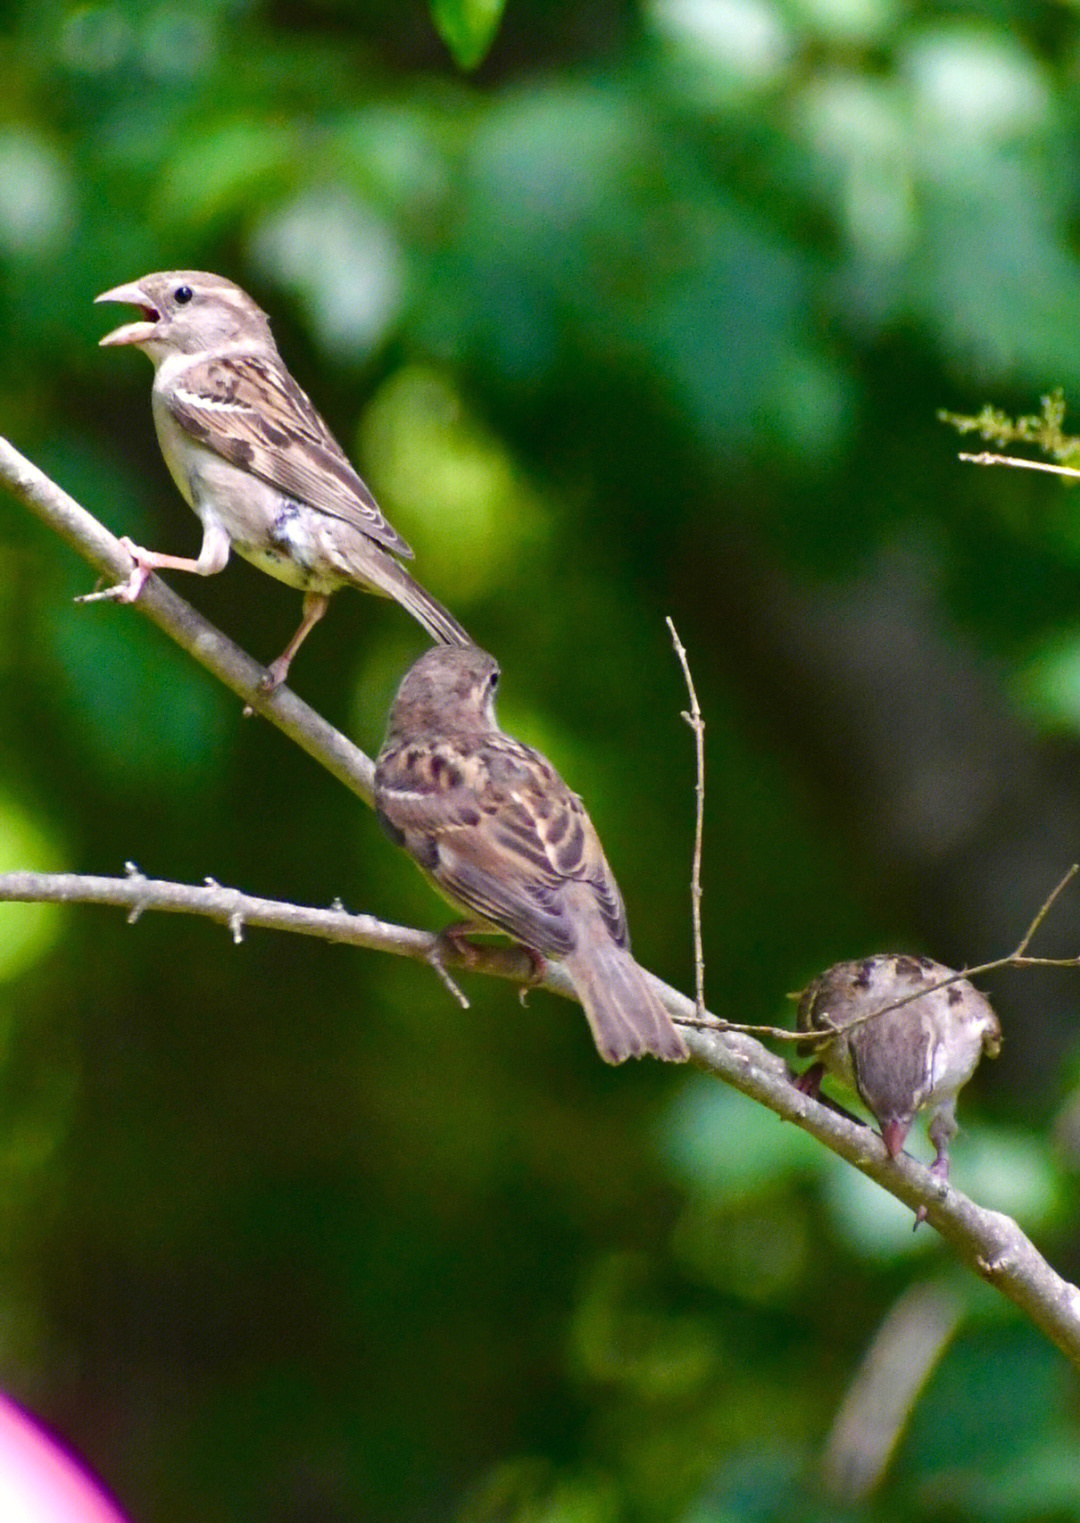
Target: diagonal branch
pixel 182 623
pixel 990 1243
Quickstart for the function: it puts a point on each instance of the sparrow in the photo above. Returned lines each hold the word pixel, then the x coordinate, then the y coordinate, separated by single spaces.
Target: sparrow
pixel 914 1058
pixel 254 459
pixel 499 834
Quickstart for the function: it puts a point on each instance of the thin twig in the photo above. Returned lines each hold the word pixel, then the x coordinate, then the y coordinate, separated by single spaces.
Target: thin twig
pixel 237 911
pixel 987 458
pixel 1041 914
pixel 1016 959
pixel 879 1403
pixel 697 724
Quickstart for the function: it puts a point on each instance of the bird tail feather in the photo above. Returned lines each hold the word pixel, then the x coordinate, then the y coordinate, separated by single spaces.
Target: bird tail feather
pixel 394 581
pixel 626 1018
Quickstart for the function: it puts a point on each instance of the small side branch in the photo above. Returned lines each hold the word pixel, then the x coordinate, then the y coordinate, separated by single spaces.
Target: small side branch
pixel 238 911
pixel 1015 959
pixel 697 724
pixel 986 457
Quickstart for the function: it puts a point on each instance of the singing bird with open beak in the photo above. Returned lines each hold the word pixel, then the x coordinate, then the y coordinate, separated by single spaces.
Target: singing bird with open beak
pixel 254 459
pixel 914 1058
pixel 497 831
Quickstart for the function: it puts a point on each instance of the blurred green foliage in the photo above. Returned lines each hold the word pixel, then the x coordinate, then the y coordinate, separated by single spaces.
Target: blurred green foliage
pixel 650 313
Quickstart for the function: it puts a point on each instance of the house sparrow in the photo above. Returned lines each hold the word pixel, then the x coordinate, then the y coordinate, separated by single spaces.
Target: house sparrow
pixel 497 831
pixel 254 459
pixel 914 1058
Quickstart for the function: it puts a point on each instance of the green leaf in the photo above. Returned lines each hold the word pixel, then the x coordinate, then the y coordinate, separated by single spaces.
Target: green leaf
pixel 467 27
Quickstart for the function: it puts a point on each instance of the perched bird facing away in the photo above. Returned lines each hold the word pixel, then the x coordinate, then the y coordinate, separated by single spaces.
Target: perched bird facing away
pixel 498 832
pixel 254 459
pixel 911 1059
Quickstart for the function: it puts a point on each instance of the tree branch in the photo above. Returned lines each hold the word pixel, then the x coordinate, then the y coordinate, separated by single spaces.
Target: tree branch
pixel 991 1243
pixel 1017 461
pixel 163 607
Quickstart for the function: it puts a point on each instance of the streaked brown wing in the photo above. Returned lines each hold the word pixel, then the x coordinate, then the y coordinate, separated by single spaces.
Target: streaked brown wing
pixel 429 786
pixel 502 887
pixel 249 409
pixel 553 823
pixel 501 833
pixel 537 835
pixel 461 817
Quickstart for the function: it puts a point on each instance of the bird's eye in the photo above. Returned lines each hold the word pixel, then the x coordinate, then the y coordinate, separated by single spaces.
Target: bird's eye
pixel 182 295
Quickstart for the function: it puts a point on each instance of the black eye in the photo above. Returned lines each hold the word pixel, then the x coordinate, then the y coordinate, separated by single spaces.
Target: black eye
pixel 493 681
pixel 182 295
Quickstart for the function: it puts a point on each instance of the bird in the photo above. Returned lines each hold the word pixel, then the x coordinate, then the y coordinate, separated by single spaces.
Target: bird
pixel 255 461
pixel 499 834
pixel 913 1058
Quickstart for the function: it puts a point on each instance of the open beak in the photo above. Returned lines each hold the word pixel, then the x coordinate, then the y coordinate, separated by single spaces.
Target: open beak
pixel 131 333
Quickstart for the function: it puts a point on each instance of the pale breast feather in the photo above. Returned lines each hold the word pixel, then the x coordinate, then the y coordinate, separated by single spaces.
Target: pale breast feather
pixel 250 410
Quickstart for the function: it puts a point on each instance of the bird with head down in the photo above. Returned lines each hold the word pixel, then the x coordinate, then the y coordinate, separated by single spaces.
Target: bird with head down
pixel 913 1056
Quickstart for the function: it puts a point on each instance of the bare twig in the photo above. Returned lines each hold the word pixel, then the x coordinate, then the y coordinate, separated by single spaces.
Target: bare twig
pixel 990 1243
pixel 1019 957
pixel 1015 959
pixel 236 911
pixel 697 724
pixel 987 458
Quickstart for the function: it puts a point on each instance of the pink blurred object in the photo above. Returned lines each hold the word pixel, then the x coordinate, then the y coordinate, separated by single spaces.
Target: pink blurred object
pixel 40 1482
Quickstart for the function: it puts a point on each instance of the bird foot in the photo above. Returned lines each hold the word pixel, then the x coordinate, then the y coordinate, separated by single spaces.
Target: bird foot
pixel 940 1169
pixel 269 682
pixel 454 940
pixel 940 1165
pixel 535 975
pixel 128 590
pixel 274 675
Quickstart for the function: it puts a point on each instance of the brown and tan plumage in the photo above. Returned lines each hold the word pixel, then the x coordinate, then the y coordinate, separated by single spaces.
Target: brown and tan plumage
pixel 255 460
pixel 275 433
pixel 498 832
pixel 913 1058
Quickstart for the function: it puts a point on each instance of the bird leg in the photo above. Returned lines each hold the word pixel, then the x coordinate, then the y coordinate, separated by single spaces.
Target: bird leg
pixel 213 557
pixel 454 939
pixel 942 1130
pixel 315 605
pixel 809 1082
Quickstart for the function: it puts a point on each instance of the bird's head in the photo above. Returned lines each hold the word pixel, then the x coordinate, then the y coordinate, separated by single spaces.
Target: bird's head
pixel 186 312
pixel 449 691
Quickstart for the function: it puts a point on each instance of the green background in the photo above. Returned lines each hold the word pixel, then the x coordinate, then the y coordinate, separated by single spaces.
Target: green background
pixel 650 314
